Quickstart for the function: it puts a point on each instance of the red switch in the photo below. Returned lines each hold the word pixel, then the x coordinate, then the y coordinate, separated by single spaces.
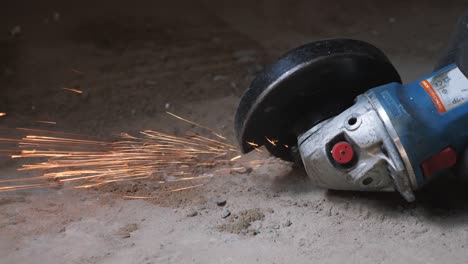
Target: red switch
pixel 442 160
pixel 342 152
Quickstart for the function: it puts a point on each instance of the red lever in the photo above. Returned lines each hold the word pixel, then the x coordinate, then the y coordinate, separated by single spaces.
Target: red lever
pixel 443 160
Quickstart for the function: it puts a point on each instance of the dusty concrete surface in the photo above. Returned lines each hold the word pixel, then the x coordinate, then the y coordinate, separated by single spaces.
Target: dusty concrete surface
pixel 133 58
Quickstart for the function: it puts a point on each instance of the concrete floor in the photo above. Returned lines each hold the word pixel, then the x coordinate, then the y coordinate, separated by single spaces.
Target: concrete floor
pixel 132 58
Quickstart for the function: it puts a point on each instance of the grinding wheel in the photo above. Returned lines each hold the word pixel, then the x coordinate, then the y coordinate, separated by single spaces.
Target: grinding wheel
pixel 304 87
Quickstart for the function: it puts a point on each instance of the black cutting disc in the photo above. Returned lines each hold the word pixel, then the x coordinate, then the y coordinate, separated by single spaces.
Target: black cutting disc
pixel 304 87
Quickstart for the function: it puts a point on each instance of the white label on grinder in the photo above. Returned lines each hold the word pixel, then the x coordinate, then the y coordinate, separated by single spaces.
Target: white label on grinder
pixel 447 89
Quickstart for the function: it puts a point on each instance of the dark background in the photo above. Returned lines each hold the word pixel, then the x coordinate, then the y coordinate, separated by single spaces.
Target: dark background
pixel 131 58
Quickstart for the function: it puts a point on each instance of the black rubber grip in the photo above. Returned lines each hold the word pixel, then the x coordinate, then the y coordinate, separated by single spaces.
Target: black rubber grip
pixel 457 50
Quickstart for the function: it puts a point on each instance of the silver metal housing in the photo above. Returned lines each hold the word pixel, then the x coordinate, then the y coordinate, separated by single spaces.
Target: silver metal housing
pixel 378 166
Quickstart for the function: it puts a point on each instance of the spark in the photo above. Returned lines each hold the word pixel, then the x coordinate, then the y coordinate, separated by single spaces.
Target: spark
pixel 46 122
pixel 79 161
pixel 253 144
pixel 237 168
pixel 77 71
pixel 272 141
pixel 168 191
pixel 196 124
pixel 89 163
pixel 138 197
pixel 186 188
pixel 50 132
pixel 2 114
pixel 73 90
pixel 235 158
pixel 192 178
pixel 25 186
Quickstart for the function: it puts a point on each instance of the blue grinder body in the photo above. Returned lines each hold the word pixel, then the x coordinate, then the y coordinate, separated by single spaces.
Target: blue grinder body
pixel 423 126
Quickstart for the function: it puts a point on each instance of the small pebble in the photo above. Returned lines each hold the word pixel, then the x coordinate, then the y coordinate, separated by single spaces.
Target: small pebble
pixel 192 213
pixel 219 201
pixel 226 213
pixel 287 223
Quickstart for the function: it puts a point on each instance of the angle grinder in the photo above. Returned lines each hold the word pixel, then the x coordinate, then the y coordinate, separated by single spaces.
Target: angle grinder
pixel 338 108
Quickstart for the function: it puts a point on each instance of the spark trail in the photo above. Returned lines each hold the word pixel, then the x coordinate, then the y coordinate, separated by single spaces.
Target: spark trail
pixel 91 163
pixel 79 161
pixel 59 158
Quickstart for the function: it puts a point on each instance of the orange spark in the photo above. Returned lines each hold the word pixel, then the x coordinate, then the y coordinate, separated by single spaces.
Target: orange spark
pixel 2 114
pixel 196 124
pixel 73 90
pixel 186 188
pixel 272 141
pixel 252 144
pixel 85 163
pixel 50 132
pixel 235 158
pixel 46 122
pixel 25 186
pixel 81 162
pixel 192 178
